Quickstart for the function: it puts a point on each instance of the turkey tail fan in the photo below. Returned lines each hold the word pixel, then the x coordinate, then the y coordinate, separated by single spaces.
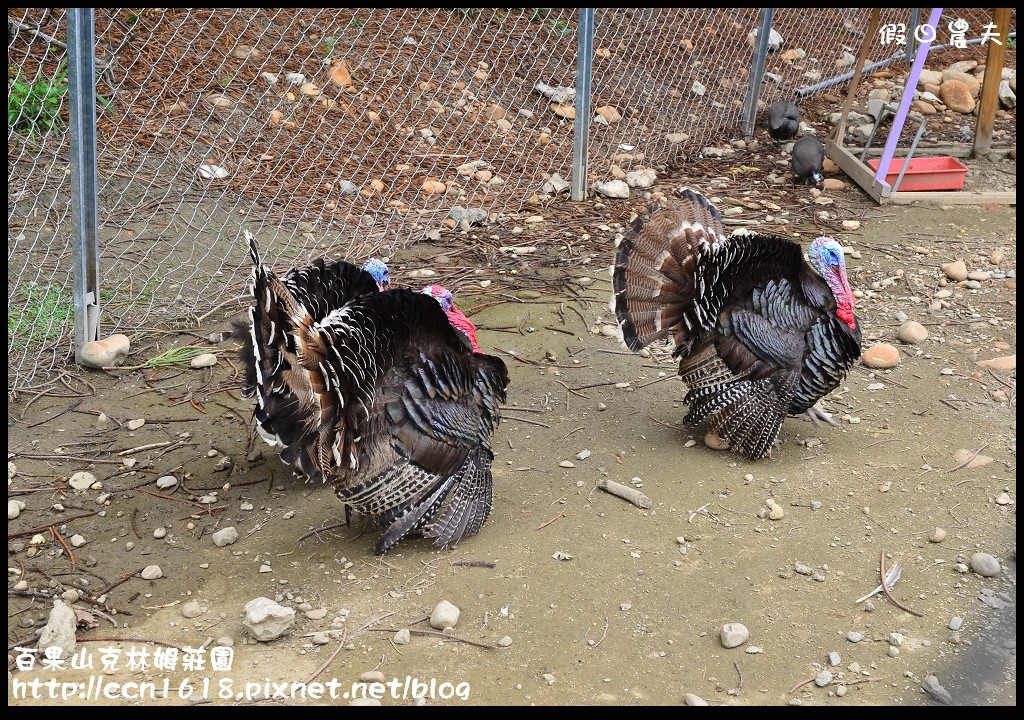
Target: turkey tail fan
pixel 652 279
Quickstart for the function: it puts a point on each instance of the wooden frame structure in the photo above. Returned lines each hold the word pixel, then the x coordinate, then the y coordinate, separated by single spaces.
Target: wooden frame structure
pixel 873 183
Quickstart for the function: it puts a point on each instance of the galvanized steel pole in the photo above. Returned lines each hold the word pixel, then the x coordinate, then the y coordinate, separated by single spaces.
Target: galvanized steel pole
pixel 581 128
pixel 84 230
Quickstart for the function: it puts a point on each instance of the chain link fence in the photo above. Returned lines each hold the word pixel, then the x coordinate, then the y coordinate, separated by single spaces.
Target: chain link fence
pixel 348 132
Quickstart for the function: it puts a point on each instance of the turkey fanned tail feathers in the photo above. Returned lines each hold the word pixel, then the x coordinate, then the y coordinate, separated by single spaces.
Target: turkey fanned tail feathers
pixel 754 325
pixel 376 393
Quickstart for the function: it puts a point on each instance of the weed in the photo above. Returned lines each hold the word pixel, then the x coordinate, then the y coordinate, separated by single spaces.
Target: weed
pixel 537 14
pixel 33 108
pixel 41 315
pixel 1011 43
pixel 357 23
pixel 560 27
pixel 329 43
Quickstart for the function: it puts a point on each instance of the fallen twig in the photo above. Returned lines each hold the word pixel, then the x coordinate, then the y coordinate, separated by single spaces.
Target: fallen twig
pixel 967 462
pixel 626 493
pixel 475 563
pixel 544 525
pixel 437 633
pixel 885 587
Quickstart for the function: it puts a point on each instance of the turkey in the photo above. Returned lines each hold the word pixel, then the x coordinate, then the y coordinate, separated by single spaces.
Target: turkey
pixel 783 120
pixel 377 393
pixel 809 159
pixel 759 332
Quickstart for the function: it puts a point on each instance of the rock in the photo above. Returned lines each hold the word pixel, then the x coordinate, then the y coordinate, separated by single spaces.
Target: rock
pixel 152 572
pixel 734 635
pixel 204 360
pixel 912 332
pixel 135 424
pixel 973 86
pixel 160 533
pixel 834 659
pixel 851 225
pixel 105 353
pixel 613 189
pixel 931 684
pixel 997 256
pixel 563 111
pixel 608 114
pixel 166 482
pixel 641 178
pixel 823 679
pixel 929 77
pixel 14 508
pixel 225 536
pixel 955 270
pixel 431 186
pixel 961 455
pixel 834 184
pixel 506 641
pixel 444 615
pixel 1007 362
pixel 191 609
pixel 82 480
pixel 881 356
pixel 694 700
pixel 267 620
pixel 78 541
pixel 774 39
pixel 1007 97
pixel 364 702
pixel 923 107
pixel 985 565
pixel 320 638
pixel 956 95
pixel 59 630
pixel 402 637
pixel 955 623
pixel 698 89
pixel 1003 498
pixel 937 535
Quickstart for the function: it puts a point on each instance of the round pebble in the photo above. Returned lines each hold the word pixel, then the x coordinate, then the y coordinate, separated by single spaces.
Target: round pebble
pixel 912 332
pixel 937 535
pixel 694 700
pixel 881 356
pixel 160 533
pixel 152 572
pixel 955 270
pixel 984 564
pixel 823 678
pixel 191 609
pixel 505 641
pixel 841 691
pixel 834 659
pixel 734 635
pixel 854 636
pixel 320 638
pixel 955 623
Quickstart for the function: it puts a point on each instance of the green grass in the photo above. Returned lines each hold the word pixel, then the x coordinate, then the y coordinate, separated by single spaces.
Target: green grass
pixel 560 27
pixel 37 314
pixel 33 107
pixel 356 23
pixel 1011 44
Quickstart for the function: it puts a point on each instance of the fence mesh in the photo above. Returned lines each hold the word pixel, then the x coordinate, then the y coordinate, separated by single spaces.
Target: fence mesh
pixel 348 132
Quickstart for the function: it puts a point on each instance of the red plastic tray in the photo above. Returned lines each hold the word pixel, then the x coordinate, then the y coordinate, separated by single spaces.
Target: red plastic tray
pixel 925 173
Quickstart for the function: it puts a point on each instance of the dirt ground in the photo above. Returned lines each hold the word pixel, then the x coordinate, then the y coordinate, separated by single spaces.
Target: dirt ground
pixel 632 612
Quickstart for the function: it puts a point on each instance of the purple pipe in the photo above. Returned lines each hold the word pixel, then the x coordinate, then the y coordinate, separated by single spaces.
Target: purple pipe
pixel 908 96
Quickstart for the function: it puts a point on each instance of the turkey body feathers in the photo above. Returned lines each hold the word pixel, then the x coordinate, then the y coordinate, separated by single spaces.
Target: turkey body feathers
pixel 379 395
pixel 754 325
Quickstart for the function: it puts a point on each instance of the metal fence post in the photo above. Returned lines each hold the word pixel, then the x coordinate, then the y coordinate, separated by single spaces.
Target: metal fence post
pixel 84 230
pixel 581 127
pixel 757 72
pixel 915 20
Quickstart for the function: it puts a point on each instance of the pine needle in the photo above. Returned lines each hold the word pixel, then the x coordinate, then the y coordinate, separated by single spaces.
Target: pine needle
pixel 174 357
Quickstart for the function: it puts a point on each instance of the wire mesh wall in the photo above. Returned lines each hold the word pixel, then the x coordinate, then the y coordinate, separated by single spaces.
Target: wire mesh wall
pixel 346 132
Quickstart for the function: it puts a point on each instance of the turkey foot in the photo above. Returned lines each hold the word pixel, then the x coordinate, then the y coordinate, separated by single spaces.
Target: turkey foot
pixel 817 414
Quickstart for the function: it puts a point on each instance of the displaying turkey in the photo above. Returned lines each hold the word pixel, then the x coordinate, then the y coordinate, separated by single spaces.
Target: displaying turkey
pixel 376 393
pixel 760 333
pixel 809 159
pixel 783 120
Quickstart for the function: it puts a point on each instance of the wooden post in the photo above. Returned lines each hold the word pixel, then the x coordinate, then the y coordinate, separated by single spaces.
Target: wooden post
pixel 990 87
pixel 869 37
